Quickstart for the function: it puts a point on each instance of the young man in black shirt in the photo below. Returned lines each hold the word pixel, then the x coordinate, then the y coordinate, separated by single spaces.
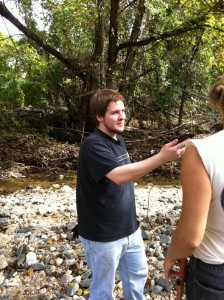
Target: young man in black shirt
pixel 106 204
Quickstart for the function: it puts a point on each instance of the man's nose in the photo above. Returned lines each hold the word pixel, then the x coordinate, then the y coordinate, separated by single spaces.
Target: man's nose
pixel 122 115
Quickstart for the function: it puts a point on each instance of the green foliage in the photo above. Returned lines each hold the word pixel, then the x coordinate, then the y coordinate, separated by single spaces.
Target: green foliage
pixel 181 65
pixel 176 53
pixel 26 77
pixel 11 94
pixel 71 26
pixel 8 120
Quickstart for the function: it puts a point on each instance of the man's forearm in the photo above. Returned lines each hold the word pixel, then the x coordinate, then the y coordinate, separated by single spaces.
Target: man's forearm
pixel 135 171
pixel 131 172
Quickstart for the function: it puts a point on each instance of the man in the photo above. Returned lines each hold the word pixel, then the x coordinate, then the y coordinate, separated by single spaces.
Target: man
pixel 105 200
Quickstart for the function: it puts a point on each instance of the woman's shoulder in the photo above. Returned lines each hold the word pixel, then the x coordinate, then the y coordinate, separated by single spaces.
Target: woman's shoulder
pixel 218 136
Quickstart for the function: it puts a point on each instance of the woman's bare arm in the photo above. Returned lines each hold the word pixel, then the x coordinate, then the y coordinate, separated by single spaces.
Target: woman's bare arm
pixel 196 200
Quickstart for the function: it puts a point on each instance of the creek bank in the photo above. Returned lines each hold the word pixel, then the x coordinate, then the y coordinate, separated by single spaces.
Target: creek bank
pixel 40 259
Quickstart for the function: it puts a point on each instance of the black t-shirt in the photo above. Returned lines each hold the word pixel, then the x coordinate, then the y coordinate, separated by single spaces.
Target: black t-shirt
pixel 106 210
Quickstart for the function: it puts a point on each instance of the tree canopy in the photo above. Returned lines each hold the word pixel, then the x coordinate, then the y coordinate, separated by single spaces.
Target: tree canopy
pixel 161 55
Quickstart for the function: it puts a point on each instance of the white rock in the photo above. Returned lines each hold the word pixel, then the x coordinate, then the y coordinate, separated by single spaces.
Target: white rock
pixel 59 261
pixel 31 258
pixel 66 189
pixel 3 262
pixel 2 278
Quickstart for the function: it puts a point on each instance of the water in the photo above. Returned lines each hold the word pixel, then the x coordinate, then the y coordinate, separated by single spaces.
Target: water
pixel 9 185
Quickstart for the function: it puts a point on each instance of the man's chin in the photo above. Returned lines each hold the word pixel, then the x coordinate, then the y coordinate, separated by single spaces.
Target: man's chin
pixel 120 130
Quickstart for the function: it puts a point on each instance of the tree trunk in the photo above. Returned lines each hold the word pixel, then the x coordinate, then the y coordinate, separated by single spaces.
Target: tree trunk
pixel 184 94
pixel 94 78
pixel 113 38
pixel 131 52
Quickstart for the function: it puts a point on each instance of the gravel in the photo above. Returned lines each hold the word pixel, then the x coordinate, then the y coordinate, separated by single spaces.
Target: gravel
pixel 40 259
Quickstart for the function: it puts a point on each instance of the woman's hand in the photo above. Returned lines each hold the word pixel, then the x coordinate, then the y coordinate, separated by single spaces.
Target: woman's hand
pixel 168 265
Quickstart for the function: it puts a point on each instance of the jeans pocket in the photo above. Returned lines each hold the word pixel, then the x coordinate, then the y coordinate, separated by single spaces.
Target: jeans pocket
pixel 204 293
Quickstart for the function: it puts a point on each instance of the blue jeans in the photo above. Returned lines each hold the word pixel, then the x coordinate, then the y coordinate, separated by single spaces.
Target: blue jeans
pixel 126 254
pixel 204 281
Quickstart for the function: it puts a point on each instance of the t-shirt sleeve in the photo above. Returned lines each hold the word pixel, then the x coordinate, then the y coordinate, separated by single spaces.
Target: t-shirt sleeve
pixel 100 159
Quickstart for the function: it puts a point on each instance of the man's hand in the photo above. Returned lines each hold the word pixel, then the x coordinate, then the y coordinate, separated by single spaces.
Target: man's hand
pixel 172 151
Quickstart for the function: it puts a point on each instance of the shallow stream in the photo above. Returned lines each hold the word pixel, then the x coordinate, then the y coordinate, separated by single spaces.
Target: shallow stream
pixel 9 185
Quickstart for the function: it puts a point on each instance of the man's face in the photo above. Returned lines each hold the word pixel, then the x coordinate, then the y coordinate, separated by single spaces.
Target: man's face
pixel 114 119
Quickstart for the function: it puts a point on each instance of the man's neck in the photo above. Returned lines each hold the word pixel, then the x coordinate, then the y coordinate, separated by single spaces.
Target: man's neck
pixel 109 133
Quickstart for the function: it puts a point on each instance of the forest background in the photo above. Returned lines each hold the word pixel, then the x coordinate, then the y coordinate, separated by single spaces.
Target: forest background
pixel 162 55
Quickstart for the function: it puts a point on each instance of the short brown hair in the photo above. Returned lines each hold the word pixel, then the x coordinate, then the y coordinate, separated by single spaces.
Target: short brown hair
pixel 101 100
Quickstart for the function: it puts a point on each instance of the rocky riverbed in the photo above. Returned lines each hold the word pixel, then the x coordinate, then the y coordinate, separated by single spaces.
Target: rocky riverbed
pixel 40 259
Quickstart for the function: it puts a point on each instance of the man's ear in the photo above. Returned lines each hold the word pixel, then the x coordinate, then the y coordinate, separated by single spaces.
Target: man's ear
pixel 99 118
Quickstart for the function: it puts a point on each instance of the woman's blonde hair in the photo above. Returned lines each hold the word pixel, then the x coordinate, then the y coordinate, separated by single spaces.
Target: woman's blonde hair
pixel 216 95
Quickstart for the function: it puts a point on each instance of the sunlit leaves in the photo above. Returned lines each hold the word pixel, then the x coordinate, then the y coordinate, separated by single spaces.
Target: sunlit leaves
pixel 71 25
pixel 184 55
pixel 24 74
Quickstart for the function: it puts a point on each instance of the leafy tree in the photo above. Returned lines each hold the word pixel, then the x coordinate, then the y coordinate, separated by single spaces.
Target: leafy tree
pixel 162 55
pixel 11 94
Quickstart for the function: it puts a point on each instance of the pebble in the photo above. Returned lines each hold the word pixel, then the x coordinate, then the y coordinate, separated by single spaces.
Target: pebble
pixel 31 258
pixel 40 259
pixel 3 262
